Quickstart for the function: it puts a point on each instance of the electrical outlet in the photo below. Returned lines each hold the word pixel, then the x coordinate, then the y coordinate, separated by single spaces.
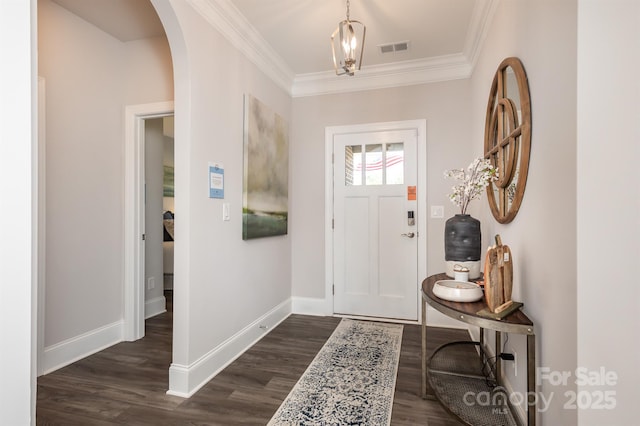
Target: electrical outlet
pixel 151 283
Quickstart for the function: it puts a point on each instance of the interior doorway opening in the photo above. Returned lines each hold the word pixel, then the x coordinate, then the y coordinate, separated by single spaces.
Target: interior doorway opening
pixel 159 213
pixel 135 282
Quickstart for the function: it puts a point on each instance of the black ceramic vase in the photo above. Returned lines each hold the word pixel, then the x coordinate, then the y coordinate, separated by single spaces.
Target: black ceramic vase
pixel 463 243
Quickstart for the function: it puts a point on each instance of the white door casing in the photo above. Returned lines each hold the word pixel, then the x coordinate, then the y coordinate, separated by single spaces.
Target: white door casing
pixel 372 259
pixel 40 253
pixel 134 214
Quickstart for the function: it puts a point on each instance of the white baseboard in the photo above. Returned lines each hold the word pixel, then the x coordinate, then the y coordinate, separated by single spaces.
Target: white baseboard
pixel 322 307
pixel 518 410
pixel 310 306
pixel 76 348
pixel 155 306
pixel 185 380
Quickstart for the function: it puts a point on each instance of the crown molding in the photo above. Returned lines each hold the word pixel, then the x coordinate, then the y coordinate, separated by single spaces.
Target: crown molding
pixel 482 15
pixel 227 19
pixel 406 73
pixel 232 24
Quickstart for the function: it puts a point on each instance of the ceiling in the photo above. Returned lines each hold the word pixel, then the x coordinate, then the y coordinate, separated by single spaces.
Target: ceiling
pixel 126 20
pixel 444 35
pixel 300 30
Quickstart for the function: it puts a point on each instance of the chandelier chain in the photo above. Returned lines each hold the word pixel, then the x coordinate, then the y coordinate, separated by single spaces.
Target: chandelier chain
pixel 348 4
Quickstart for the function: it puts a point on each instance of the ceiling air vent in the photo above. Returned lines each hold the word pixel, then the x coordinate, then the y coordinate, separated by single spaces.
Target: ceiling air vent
pixel 394 47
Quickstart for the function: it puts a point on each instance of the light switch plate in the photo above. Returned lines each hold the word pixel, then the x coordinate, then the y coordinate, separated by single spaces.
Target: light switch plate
pixel 437 212
pixel 225 211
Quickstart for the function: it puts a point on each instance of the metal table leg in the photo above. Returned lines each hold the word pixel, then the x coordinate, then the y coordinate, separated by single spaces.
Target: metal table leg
pixel 424 348
pixel 531 379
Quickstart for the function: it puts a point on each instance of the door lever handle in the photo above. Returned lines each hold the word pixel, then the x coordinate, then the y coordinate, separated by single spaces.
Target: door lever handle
pixel 409 235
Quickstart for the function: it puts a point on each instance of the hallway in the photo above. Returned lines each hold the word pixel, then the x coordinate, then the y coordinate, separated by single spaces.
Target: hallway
pixel 127 383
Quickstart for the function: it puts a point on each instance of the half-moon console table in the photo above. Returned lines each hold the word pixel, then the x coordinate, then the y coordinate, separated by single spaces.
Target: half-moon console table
pixel 456 381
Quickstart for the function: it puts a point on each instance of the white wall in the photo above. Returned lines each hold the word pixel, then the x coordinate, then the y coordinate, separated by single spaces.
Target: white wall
pixel 608 204
pixel 90 77
pixel 85 87
pixel 148 71
pixel 222 284
pixel 19 175
pixel 542 237
pixel 445 106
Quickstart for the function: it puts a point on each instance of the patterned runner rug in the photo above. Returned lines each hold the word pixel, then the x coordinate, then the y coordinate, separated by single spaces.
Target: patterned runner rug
pixel 351 381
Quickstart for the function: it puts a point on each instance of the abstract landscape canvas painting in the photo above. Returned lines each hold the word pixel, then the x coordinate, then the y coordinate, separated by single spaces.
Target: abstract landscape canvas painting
pixel 266 171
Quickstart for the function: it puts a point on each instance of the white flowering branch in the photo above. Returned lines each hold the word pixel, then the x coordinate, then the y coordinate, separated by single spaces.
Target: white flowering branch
pixel 477 176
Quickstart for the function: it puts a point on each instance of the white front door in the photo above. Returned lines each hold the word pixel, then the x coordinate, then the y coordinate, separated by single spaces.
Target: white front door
pixel 375 231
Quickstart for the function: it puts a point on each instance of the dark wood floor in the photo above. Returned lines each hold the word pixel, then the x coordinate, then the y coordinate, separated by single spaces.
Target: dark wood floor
pixel 127 383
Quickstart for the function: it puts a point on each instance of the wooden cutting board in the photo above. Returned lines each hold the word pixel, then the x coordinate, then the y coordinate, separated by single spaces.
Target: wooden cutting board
pixel 498 276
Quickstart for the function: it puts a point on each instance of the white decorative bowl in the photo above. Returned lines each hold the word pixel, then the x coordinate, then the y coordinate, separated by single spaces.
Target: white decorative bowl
pixel 457 291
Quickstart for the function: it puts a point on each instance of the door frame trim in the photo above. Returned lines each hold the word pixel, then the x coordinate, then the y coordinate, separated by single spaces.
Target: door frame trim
pixel 41 223
pixel 420 126
pixel 133 253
